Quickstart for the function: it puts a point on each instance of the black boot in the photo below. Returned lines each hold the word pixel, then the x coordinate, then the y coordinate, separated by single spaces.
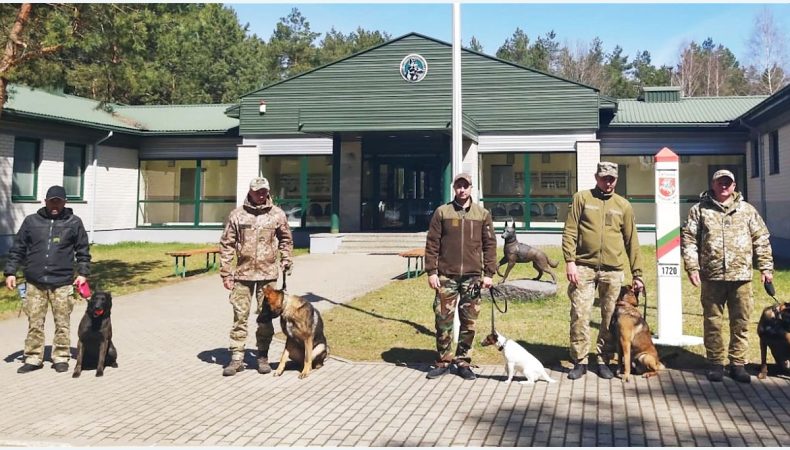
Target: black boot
pixel 604 371
pixel 739 374
pixel 577 371
pixel 716 373
pixel 28 368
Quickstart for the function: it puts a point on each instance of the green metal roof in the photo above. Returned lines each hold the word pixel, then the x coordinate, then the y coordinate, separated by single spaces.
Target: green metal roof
pixel 770 107
pixel 689 111
pixel 160 119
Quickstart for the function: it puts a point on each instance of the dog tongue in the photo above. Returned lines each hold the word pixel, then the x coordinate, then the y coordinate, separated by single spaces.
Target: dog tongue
pixel 98 312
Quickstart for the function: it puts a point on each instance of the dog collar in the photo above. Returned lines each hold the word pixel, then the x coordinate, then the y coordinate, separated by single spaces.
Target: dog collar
pixel 502 347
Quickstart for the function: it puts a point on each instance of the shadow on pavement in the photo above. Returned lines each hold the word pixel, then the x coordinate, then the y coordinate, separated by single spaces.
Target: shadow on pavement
pixel 410 356
pixel 422 329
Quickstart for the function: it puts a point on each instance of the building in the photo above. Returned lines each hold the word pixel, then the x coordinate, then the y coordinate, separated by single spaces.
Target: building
pixel 364 144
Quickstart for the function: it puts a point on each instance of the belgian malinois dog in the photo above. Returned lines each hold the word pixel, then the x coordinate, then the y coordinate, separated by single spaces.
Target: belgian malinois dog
pixel 515 252
pixel 632 336
pixel 774 332
pixel 304 330
pixel 95 347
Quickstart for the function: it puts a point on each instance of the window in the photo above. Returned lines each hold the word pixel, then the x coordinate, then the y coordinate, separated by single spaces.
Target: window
pixel 74 170
pixel 302 187
pixel 27 157
pixel 186 192
pixel 755 158
pixel 773 156
pixel 532 188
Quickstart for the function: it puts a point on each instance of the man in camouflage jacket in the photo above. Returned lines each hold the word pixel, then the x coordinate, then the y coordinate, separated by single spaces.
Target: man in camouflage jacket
pixel 459 248
pixel 599 234
pixel 255 233
pixel 722 235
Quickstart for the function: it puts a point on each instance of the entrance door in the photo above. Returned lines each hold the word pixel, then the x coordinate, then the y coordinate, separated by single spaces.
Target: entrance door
pixel 400 193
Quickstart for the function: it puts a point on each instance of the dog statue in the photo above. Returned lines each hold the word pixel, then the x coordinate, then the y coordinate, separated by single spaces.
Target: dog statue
pixel 632 336
pixel 517 359
pixel 774 332
pixel 95 347
pixel 304 330
pixel 523 253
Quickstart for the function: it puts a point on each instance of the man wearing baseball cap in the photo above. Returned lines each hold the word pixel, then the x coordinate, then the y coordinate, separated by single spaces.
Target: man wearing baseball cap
pixel 257 234
pixel 460 252
pixel 47 244
pixel 600 232
pixel 722 236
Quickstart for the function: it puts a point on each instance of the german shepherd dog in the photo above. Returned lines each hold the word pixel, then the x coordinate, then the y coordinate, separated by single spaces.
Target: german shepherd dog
pixel 95 347
pixel 304 330
pixel 632 336
pixel 523 253
pixel 774 332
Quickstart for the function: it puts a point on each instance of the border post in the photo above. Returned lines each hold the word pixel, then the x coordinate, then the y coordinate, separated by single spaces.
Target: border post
pixel 669 272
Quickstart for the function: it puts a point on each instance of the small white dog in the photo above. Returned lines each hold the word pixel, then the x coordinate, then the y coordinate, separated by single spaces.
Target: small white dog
pixel 517 359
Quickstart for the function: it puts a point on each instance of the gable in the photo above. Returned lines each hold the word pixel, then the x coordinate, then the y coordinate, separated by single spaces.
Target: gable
pixel 366 92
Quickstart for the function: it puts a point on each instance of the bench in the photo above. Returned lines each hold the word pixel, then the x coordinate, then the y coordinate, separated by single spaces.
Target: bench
pixel 180 267
pixel 418 255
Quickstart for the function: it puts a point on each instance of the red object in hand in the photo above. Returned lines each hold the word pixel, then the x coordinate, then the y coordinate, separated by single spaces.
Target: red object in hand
pixel 84 290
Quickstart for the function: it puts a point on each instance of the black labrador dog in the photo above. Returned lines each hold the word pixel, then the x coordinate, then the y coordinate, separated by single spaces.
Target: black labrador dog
pixel 95 348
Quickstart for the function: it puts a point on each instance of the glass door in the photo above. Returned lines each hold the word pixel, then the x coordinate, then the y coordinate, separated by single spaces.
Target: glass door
pixel 400 193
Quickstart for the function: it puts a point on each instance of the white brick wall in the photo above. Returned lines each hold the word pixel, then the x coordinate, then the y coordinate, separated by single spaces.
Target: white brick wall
pixel 777 187
pixel 470 165
pixel 588 154
pixel 246 169
pixel 116 193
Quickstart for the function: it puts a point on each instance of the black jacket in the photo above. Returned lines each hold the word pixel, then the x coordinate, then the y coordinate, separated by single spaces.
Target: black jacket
pixel 48 247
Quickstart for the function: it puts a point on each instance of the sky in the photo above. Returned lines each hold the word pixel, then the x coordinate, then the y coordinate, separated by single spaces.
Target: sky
pixel 660 28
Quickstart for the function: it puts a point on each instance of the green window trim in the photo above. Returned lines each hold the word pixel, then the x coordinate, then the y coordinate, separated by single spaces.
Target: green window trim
pixel 82 166
pixel 303 202
pixel 36 164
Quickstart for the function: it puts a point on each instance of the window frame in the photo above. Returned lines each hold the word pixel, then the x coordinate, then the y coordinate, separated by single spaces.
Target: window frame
pixel 36 166
pixel 773 152
pixel 83 166
pixel 305 199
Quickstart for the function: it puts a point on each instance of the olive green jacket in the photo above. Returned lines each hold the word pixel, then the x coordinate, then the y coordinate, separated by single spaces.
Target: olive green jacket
pixel 460 242
pixel 600 232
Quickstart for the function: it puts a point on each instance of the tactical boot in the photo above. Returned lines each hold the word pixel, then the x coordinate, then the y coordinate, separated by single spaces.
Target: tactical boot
pixel 604 371
pixel 716 373
pixel 60 367
pixel 438 371
pixel 739 374
pixel 466 373
pixel 235 365
pixel 577 371
pixel 28 368
pixel 263 365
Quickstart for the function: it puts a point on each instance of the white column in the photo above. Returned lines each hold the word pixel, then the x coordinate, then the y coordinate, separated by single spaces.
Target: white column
pixel 458 125
pixel 670 295
pixel 247 168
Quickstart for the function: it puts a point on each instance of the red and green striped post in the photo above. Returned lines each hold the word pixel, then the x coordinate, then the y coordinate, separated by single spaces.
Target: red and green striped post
pixel 669 272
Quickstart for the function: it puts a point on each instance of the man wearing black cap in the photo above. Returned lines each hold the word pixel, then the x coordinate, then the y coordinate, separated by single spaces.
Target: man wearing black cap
pixel 47 245
pixel 460 251
pixel 722 236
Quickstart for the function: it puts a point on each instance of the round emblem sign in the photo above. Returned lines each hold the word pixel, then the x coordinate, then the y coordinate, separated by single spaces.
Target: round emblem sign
pixel 413 68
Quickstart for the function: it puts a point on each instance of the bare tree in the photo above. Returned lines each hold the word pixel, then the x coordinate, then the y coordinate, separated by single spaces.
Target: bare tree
pixel 767 53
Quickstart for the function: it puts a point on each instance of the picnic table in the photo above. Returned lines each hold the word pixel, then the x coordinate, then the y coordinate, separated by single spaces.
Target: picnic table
pixel 180 266
pixel 418 255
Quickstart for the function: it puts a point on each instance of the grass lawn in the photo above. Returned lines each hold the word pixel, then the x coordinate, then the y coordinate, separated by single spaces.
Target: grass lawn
pixel 129 267
pixel 396 323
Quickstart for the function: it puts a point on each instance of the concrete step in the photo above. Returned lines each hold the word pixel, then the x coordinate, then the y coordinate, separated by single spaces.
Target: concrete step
pixel 382 243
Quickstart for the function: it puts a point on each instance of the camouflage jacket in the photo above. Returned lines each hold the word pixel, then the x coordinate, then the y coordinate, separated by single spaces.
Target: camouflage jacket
pixel 719 241
pixel 254 234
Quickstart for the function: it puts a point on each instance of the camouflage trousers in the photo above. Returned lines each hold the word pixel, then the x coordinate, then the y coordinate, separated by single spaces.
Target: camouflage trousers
pixel 451 290
pixel 35 306
pixel 241 300
pixel 737 296
pixel 582 298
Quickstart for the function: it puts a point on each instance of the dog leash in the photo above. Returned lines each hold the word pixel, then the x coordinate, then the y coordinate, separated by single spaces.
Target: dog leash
pixel 475 291
pixel 770 290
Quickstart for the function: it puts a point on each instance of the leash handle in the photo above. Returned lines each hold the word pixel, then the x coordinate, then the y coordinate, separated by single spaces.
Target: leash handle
pixel 770 290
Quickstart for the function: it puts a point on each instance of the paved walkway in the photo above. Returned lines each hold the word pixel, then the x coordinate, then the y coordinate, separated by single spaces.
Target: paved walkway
pixel 168 390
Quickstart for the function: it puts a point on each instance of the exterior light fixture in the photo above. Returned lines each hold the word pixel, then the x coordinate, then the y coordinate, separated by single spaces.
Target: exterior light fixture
pixel 262 107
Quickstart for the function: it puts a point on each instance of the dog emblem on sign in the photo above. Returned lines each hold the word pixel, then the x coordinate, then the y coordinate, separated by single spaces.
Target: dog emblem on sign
pixel 413 68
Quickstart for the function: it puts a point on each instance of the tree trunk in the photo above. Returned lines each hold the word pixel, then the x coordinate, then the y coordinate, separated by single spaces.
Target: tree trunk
pixel 10 55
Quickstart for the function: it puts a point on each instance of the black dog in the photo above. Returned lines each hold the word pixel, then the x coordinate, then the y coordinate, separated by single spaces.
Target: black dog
pixel 523 253
pixel 774 332
pixel 95 348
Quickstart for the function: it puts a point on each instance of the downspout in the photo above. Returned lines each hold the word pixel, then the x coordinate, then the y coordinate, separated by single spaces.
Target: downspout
pixel 95 182
pixel 756 133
